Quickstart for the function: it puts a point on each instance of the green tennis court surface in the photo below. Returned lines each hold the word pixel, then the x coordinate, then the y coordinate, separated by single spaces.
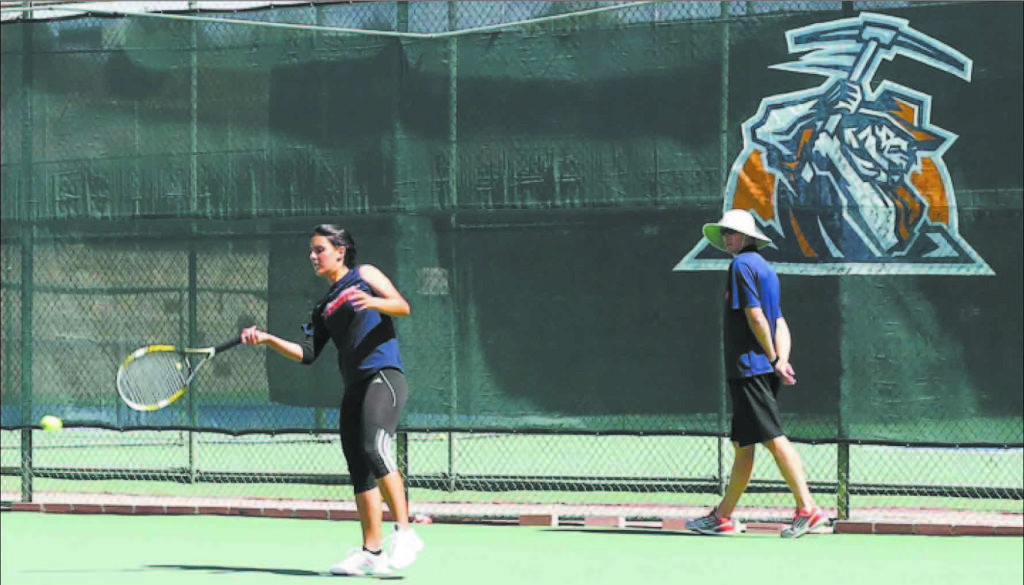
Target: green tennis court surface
pixel 109 550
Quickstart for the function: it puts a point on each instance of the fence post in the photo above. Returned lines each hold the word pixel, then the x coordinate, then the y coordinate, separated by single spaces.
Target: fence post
pixel 193 394
pixel 723 172
pixel 843 480
pixel 193 195
pixel 453 196
pixel 27 198
pixel 27 353
pixel 842 446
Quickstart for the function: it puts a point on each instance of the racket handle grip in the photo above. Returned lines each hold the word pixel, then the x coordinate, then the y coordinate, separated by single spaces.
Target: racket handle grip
pixel 227 344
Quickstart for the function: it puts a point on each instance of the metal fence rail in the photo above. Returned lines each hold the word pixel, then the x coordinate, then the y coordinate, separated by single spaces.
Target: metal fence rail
pixel 656 475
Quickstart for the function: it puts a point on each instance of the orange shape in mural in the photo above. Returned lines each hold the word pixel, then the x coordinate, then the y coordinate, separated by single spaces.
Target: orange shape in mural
pixel 928 182
pixel 755 188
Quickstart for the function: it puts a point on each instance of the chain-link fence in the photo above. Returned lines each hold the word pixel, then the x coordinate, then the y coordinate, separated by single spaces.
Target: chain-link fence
pixel 475 432
pixel 502 475
pixel 528 182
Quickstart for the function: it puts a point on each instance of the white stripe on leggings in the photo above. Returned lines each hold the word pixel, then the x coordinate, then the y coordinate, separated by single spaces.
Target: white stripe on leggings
pixel 384 450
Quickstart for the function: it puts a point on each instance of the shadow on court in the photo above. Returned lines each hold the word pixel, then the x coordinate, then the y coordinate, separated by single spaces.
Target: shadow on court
pixel 265 570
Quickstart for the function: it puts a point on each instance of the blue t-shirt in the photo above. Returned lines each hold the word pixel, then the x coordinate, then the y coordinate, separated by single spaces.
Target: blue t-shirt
pixel 752 283
pixel 366 339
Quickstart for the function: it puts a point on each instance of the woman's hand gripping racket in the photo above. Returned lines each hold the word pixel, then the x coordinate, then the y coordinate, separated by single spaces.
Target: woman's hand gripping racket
pixel 154 376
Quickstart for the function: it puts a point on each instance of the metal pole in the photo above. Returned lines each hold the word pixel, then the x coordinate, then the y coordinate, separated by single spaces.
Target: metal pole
pixel 193 406
pixel 843 448
pixel 453 195
pixel 401 25
pixel 193 393
pixel 843 479
pixel 453 109
pixel 723 170
pixel 27 251
pixel 194 114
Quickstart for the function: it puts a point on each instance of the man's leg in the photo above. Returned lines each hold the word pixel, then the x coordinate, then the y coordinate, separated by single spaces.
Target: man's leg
pixel 739 477
pixel 792 469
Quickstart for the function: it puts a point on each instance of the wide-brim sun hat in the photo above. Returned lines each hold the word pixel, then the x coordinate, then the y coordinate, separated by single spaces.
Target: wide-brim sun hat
pixel 738 220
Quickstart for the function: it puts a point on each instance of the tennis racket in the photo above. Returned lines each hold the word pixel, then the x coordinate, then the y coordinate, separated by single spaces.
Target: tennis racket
pixel 154 376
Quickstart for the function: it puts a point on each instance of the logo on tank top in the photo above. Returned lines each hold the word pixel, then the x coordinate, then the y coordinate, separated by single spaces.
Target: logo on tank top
pixel 340 300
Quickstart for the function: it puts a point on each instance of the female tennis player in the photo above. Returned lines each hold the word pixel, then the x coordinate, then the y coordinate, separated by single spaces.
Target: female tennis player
pixel 356 315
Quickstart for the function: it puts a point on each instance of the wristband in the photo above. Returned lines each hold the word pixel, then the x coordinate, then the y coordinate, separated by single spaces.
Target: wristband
pixel 776 360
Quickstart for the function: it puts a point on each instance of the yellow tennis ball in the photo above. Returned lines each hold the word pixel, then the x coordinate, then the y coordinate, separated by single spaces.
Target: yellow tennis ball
pixel 51 423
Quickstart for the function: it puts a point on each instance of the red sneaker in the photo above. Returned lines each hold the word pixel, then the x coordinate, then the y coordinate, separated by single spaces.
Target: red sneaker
pixel 804 522
pixel 715 526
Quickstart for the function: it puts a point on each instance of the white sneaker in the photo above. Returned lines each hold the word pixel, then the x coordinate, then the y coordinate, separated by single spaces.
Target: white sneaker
pixel 405 545
pixel 361 562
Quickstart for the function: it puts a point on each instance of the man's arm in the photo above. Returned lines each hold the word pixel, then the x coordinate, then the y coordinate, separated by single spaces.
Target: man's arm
pixel 783 341
pixel 758 324
pixel 777 350
pixel 783 345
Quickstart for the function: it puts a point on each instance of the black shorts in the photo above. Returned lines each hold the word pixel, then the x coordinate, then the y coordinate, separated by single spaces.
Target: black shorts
pixel 755 409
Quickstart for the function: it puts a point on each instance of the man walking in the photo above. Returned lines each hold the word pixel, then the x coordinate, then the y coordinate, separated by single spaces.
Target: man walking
pixel 757 344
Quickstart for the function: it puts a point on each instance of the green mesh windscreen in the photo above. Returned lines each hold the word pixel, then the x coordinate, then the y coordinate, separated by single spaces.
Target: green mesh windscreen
pixel 528 189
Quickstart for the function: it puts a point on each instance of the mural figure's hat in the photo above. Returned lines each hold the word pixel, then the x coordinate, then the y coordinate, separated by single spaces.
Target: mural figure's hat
pixel 904 115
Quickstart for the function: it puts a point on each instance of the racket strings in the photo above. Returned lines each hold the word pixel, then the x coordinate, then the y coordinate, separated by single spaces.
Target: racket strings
pixel 153 378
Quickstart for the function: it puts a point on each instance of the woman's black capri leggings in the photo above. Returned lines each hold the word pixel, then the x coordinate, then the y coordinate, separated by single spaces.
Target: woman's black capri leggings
pixel 369 419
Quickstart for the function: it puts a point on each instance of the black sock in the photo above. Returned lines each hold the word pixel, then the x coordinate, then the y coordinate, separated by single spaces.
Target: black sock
pixel 372 552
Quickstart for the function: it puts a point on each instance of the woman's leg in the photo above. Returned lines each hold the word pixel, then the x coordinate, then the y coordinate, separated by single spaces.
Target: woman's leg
pixel 392 487
pixel 367 496
pixel 385 397
pixel 369 508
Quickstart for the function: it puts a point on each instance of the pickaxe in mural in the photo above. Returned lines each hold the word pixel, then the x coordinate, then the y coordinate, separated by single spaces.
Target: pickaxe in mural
pixel 846 177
